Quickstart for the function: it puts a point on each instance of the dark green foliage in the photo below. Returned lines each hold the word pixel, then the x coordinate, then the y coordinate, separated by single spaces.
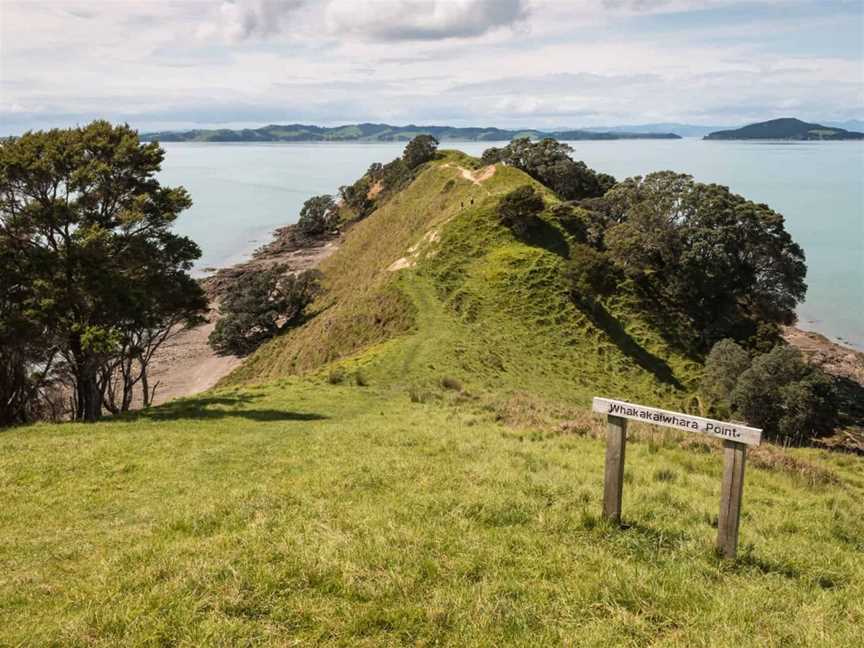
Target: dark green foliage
pixel 318 216
pixel 24 347
pixel 572 220
pixel 260 305
pixel 395 175
pixel 549 162
pixel 356 197
pixel 419 150
pixel 727 262
pixel 723 367
pixel 519 209
pixel 492 155
pixel 791 400
pixel 86 228
pixel 591 273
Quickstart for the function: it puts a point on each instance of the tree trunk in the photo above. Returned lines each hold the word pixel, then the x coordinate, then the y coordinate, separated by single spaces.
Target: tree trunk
pixel 88 394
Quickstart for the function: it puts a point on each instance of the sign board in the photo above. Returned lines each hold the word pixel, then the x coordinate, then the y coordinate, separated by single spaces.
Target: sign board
pixel 735 437
pixel 719 429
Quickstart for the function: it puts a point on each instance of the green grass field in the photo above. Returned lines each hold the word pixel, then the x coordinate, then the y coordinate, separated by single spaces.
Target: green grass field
pixel 309 513
pixel 415 465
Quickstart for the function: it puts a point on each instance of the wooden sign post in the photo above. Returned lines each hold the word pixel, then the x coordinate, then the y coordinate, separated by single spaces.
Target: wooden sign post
pixel 735 437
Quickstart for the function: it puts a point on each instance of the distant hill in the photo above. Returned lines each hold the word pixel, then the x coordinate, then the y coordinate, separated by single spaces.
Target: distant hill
pixel 383 133
pixel 786 128
pixel 685 130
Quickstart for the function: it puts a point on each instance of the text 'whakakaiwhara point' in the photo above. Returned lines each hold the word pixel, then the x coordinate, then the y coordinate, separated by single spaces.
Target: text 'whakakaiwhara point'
pixel 651 415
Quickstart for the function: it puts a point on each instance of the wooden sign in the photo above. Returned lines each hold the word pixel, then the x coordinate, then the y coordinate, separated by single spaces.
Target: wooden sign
pixel 686 422
pixel 735 437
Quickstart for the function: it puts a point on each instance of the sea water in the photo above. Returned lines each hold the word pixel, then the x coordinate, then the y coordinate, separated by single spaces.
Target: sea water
pixel 242 192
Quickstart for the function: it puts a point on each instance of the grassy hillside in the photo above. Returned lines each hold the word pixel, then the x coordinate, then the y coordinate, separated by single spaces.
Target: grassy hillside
pixel 415 466
pixel 472 303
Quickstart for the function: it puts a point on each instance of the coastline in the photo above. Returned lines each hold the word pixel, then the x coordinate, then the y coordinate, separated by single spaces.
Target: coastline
pixel 186 365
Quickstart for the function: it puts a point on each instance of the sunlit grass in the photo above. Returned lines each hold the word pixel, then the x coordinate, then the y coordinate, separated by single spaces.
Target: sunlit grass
pixel 338 514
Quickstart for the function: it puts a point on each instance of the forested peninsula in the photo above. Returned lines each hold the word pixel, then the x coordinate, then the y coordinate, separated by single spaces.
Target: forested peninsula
pixel 383 133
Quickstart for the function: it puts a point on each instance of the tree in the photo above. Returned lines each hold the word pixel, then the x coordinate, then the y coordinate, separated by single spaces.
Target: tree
pixel 519 208
pixel 723 367
pixel 590 272
pixel 85 222
pixel 419 150
pixel 549 162
pixel 260 305
pixel 318 215
pixel 789 399
pixel 26 355
pixel 727 262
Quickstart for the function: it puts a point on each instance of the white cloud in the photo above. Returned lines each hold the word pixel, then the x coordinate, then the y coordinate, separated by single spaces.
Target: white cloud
pixel 393 20
pixel 462 63
pixel 239 20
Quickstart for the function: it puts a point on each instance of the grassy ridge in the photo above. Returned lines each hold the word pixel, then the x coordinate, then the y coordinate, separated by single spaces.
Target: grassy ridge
pixel 340 515
pixel 503 317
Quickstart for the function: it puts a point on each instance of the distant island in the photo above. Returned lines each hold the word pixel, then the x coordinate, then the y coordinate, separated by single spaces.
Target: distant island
pixel 787 128
pixel 384 133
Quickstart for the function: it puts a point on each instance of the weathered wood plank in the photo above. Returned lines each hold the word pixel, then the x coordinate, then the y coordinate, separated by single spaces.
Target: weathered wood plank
pixel 731 490
pixel 652 415
pixel 613 484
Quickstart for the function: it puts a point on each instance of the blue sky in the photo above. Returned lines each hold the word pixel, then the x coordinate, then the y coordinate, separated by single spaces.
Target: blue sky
pixel 509 63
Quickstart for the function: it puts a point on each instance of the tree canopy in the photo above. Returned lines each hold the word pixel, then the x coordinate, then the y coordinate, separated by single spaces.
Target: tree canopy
pixel 92 270
pixel 518 209
pixel 727 262
pixel 549 162
pixel 778 391
pixel 419 150
pixel 260 305
pixel 318 216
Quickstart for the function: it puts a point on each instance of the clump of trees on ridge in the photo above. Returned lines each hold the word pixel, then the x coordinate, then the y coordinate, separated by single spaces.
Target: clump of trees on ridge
pixel 693 252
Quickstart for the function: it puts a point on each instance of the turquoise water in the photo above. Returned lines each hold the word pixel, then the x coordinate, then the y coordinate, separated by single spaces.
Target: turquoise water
pixel 244 191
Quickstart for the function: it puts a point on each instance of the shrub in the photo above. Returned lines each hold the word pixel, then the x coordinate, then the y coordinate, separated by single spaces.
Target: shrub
pixel 261 304
pixel 724 366
pixel 361 379
pixel 591 273
pixel 454 384
pixel 549 162
pixel 419 150
pixel 519 208
pixel 336 376
pixel 789 399
pixel 573 221
pixel 319 215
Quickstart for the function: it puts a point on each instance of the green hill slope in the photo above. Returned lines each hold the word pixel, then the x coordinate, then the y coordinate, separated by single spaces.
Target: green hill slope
pixel 471 302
